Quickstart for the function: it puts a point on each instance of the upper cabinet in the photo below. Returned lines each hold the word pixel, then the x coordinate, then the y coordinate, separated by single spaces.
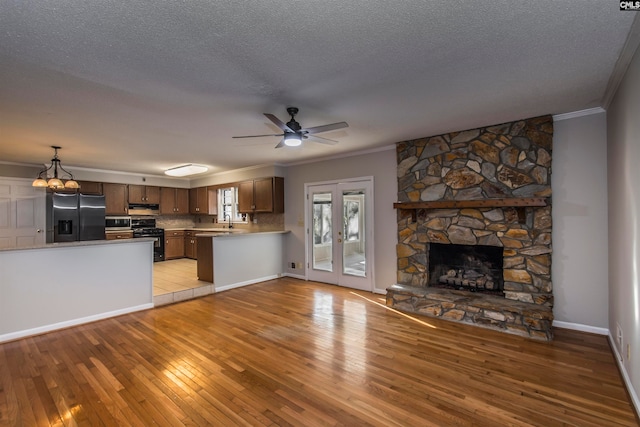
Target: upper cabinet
pixel 115 198
pixel 144 194
pixel 199 201
pixel 174 201
pixel 90 187
pixel 261 195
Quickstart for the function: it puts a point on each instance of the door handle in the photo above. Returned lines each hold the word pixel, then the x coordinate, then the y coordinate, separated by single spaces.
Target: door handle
pixel 38 231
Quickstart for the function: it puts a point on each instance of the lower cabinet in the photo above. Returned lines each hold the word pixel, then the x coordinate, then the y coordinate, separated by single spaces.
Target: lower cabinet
pixel 190 245
pixel 173 244
pixel 119 235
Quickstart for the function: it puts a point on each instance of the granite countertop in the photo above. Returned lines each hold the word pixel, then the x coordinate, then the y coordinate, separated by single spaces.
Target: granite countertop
pixel 81 243
pixel 245 233
pixel 209 229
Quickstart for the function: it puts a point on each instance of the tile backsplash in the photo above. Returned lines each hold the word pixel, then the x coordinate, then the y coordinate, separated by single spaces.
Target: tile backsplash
pixel 263 222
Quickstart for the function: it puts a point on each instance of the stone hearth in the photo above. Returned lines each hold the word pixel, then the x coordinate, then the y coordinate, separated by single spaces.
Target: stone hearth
pixel 487 169
pixel 488 311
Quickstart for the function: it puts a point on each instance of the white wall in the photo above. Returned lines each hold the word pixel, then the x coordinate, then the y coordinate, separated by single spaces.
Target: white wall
pixel 623 126
pixel 244 259
pixel 19 171
pixel 382 166
pixel 65 284
pixel 580 256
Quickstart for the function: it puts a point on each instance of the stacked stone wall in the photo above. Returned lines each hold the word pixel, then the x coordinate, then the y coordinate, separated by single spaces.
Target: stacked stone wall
pixel 511 160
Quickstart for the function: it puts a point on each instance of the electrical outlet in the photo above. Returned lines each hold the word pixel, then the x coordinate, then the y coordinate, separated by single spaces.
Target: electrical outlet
pixel 619 335
pixel 299 265
pixel 628 351
pixel 293 265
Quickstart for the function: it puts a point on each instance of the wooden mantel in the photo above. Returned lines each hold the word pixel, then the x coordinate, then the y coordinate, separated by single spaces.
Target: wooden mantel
pixel 517 202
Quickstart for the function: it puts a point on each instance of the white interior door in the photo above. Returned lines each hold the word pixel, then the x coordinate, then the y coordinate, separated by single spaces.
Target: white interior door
pixel 22 214
pixel 339 233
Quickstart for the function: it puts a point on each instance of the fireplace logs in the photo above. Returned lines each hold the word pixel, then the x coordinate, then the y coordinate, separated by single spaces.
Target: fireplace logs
pixel 467 280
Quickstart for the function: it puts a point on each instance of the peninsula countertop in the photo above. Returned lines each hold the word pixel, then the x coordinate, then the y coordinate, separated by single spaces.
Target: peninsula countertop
pixel 203 233
pixel 79 243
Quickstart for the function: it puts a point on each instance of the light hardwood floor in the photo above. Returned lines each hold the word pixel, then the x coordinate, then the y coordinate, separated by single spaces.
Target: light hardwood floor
pixel 290 352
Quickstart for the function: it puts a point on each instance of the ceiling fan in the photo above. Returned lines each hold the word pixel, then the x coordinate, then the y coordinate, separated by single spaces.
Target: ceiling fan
pixel 294 133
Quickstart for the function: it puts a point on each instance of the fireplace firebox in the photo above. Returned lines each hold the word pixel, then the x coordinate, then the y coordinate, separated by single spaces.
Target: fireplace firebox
pixel 474 268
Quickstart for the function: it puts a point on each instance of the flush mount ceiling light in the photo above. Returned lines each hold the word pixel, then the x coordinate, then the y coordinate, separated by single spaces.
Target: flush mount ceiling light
pixel 54 182
pixel 292 139
pixel 186 170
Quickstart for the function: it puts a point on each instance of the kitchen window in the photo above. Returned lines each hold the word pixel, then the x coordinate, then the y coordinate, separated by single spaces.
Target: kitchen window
pixel 228 206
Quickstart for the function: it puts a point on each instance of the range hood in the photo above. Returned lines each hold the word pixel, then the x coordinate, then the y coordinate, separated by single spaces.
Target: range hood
pixel 143 209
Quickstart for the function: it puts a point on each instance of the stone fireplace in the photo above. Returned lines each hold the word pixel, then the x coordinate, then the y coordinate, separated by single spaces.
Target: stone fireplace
pixel 485 195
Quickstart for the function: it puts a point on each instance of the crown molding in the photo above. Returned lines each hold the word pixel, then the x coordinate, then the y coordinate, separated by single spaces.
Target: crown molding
pixel 341 156
pixel 580 113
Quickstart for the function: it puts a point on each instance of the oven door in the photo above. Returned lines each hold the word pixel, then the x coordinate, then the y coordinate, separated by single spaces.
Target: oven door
pixel 158 244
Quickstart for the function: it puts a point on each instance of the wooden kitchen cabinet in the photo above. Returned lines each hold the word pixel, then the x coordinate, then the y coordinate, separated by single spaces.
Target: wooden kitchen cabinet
pixel 261 195
pixel 245 196
pixel 145 194
pixel 199 201
pixel 190 245
pixel 205 262
pixel 173 244
pixel 115 198
pixel 174 201
pixel 119 235
pixel 90 187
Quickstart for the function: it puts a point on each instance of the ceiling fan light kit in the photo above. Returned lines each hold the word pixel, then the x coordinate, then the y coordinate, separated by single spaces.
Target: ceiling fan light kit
pixel 292 140
pixel 293 133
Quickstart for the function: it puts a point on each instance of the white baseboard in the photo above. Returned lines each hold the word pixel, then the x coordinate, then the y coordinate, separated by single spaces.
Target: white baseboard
pixel 580 327
pixel 295 276
pixel 604 331
pixel 74 322
pixel 625 375
pixel 246 283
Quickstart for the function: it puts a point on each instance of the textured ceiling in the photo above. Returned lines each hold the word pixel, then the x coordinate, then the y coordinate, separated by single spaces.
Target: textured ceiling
pixel 141 86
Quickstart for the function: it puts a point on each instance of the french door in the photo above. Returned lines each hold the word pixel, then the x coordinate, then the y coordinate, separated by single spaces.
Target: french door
pixel 339 233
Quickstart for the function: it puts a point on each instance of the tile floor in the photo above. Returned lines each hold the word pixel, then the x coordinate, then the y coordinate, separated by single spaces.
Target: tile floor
pixel 177 280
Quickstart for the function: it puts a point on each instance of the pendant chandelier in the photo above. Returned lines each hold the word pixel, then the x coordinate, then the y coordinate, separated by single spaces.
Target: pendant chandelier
pixel 54 182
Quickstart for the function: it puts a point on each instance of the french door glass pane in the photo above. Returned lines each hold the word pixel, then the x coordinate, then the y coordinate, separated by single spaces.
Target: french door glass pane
pixel 353 245
pixel 322 232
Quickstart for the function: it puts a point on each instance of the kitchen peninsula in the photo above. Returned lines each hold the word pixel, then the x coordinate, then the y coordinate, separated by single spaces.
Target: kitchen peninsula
pixel 57 285
pixel 230 260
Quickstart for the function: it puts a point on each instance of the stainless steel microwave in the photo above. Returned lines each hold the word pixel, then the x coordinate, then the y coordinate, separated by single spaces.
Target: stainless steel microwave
pixel 117 223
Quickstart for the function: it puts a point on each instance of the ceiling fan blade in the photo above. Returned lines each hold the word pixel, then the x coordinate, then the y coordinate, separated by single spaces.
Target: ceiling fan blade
pixel 276 121
pixel 326 128
pixel 257 136
pixel 322 140
pixel 280 144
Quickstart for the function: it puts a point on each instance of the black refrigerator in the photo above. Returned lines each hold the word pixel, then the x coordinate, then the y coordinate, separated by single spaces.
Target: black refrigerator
pixel 75 216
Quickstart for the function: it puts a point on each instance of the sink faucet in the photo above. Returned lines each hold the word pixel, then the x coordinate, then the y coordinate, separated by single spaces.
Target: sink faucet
pixel 229 221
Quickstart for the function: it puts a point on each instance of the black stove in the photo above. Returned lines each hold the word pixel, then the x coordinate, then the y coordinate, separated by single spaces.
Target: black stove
pixel 146 227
